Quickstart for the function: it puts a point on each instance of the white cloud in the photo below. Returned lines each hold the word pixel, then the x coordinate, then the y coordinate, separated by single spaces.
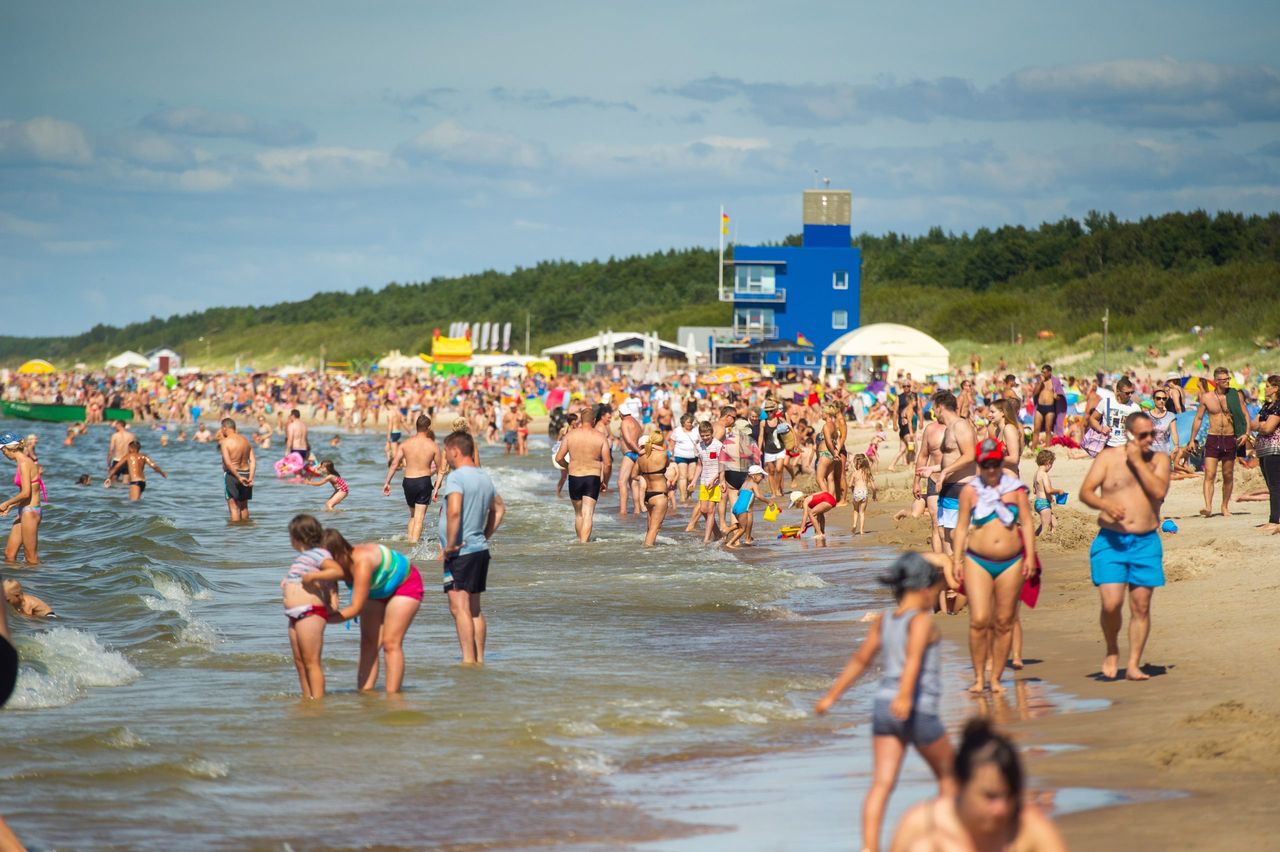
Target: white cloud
pixel 197 121
pixel 304 168
pixel 451 144
pixel 77 246
pixel 43 141
pixel 18 226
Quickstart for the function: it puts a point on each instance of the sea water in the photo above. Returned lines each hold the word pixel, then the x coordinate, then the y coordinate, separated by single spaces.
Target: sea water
pixel 649 698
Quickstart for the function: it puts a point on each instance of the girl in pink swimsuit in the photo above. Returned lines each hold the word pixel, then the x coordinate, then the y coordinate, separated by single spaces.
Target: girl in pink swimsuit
pixel 329 475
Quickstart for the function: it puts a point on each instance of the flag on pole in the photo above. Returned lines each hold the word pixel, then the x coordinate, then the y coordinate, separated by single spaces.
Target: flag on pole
pixel 724 223
pixel 801 340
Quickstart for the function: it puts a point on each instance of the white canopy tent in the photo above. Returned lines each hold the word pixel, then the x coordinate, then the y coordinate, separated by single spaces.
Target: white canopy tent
pixel 394 362
pixel 887 347
pixel 128 360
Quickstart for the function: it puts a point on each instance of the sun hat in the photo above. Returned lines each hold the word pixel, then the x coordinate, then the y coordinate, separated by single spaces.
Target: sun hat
pixel 795 497
pixel 990 450
pixel 754 469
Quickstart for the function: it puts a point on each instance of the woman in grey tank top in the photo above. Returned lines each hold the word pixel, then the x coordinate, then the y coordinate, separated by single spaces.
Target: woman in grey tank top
pixel 906 701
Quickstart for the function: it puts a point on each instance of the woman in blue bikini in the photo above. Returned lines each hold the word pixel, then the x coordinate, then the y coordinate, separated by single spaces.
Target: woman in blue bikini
pixel 994 546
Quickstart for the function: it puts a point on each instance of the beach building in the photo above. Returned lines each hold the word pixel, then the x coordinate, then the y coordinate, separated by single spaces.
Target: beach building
pixel 163 360
pixel 618 347
pixel 791 302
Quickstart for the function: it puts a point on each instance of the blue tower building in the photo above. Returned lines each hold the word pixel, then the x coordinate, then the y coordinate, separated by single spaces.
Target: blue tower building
pixel 797 294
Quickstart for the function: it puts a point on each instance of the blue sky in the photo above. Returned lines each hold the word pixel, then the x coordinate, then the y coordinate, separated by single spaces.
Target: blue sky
pixel 163 157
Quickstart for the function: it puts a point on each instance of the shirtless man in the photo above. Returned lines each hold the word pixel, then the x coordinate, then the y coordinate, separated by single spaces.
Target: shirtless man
pixel 136 464
pixel 957 465
pixel 118 446
pixel 629 430
pixel 295 436
pixel 509 430
pixel 929 462
pixel 590 463
pixel 1224 436
pixel 421 458
pixel 604 425
pixel 1045 394
pixel 395 431
pixel 239 463
pixel 1127 485
pixel 967 401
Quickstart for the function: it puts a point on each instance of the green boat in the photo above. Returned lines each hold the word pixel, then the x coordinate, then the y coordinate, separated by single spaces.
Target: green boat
pixel 50 413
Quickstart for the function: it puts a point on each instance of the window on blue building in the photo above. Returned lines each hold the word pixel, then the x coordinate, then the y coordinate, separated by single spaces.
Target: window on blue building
pixel 754 279
pixel 754 322
pixel 840 279
pixel 810 360
pixel 839 319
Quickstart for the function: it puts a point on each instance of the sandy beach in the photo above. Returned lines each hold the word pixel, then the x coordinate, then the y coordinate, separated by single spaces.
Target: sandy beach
pixel 1196 749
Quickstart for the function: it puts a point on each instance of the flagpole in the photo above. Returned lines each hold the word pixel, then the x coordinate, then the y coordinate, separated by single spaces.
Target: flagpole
pixel 720 269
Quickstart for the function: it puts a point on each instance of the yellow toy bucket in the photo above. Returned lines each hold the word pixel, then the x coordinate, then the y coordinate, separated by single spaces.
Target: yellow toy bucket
pixel 771 512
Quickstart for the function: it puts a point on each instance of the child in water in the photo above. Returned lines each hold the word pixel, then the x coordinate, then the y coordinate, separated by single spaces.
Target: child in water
pixel 308 612
pixel 906 704
pixel 136 464
pixel 24 603
pixel 742 508
pixel 329 475
pixel 862 489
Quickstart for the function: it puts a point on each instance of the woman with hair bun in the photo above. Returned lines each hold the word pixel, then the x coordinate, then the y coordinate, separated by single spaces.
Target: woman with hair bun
pixel 906 704
pixel 987 810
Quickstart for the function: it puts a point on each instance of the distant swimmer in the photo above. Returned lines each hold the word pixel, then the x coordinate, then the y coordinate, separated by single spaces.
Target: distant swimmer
pixel 295 436
pixel 422 460
pixel 906 711
pixel 118 446
pixel 307 607
pixel 135 464
pixel 202 434
pixel 1127 484
pixel 586 453
pixel 239 464
pixel 986 809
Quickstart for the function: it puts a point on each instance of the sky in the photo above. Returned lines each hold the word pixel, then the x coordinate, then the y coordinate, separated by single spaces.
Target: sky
pixel 164 157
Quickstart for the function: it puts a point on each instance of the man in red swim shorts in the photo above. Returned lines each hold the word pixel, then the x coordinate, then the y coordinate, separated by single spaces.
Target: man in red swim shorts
pixel 1227 429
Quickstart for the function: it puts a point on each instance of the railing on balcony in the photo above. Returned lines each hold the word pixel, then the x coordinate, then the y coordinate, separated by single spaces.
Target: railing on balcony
pixel 778 294
pixel 766 332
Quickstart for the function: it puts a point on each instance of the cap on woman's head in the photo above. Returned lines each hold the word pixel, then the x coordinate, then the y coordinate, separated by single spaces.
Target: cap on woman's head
pixel 989 450
pixel 9 439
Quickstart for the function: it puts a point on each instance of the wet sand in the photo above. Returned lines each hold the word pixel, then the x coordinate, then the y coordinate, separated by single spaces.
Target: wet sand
pixel 1197 747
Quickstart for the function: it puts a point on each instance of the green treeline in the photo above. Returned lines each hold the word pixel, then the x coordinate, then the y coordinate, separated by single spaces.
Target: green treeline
pixel 1157 274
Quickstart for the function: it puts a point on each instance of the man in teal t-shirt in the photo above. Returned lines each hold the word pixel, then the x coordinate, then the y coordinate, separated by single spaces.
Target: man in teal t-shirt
pixel 470 512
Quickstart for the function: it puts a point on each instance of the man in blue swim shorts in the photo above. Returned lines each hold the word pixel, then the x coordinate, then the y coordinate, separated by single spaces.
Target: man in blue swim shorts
pixel 1127 485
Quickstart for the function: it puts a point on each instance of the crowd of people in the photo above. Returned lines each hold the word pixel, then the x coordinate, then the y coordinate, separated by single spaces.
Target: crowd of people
pixel 719 453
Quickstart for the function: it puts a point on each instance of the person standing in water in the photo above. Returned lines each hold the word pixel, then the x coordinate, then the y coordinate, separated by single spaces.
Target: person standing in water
pixel 118 446
pixel 25 533
pixel 421 458
pixel 295 436
pixel 239 463
pixel 906 709
pixel 470 514
pixel 586 452
pixel 652 469
pixel 136 464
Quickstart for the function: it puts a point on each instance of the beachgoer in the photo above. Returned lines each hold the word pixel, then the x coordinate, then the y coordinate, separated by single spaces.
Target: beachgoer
pixel 1127 485
pixel 1267 448
pixel 956 466
pixel 906 708
pixel 24 535
pixel 1165 423
pixel 1228 427
pixel 136 464
pixel 742 508
pixel 816 507
pixel 629 429
pixel 929 462
pixel 1110 408
pixel 295 436
pixel 1004 427
pixel 25 603
pixel 862 490
pixel 683 442
pixel 329 476
pixel 710 476
pixel 1045 392
pixel 386 592
pixel 395 430
pixel 775 455
pixel 307 606
pixel 992 560
pixel 652 467
pixel 509 436
pixel 239 463
pixel 567 422
pixel 118 446
pixel 422 459
pixel 1045 492
pixel 522 431
pixel 471 511
pixel 585 452
pixel 986 809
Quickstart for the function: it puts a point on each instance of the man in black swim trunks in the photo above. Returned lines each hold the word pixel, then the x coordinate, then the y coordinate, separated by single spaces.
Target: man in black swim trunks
pixel 421 458
pixel 586 451
pixel 1045 393
pixel 239 463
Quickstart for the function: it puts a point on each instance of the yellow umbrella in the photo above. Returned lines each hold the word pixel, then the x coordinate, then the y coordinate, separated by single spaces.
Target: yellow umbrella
pixel 37 365
pixel 726 375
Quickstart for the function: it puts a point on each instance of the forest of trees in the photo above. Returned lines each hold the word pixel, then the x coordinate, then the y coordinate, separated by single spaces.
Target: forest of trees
pixel 1156 274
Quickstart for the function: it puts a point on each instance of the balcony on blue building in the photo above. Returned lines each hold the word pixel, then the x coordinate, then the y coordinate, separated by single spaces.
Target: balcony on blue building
pixel 756 282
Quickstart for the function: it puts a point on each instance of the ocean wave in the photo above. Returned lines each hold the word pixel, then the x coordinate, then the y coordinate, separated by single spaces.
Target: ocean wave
pixel 754 711
pixel 58 665
pixel 173 595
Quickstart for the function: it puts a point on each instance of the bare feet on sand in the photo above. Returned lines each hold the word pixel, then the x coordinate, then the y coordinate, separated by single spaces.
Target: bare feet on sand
pixel 1134 672
pixel 1110 665
pixel 978 688
pixel 1016 664
pixel 1206 513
